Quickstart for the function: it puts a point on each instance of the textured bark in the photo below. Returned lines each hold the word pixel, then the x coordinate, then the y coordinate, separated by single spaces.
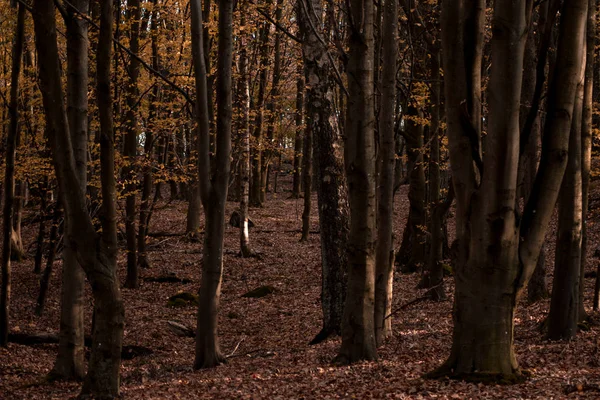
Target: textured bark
pixel 358 328
pixel 213 185
pixel 564 305
pixel 96 255
pixel 385 185
pixel 130 143
pixel 9 175
pixel 328 175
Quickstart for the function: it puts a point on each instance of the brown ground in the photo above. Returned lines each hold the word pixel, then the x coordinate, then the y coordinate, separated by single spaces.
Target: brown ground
pixel 270 335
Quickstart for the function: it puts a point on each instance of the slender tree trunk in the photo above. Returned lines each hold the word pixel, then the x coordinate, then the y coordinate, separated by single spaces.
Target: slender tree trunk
pixel 257 194
pixel 564 305
pixel 411 256
pixel 143 261
pixel 130 143
pixel 386 159
pixel 358 328
pixel 39 251
pixel 69 362
pixel 9 174
pixel 45 279
pixel 307 157
pixel 328 173
pixel 244 102
pixel 586 145
pixel 298 154
pixel 213 185
pixel 433 275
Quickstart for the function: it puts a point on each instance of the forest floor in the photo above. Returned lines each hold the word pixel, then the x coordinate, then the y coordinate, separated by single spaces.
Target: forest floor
pixel 267 338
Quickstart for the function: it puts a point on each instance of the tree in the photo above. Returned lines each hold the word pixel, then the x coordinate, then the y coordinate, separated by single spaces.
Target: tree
pixel 130 143
pixel 497 251
pixel 358 327
pixel 386 159
pixel 328 172
pixel 213 185
pixel 70 359
pixel 9 174
pixel 96 254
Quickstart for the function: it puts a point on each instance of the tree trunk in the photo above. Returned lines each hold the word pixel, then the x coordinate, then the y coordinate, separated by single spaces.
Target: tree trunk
pixel 386 159
pixel 358 328
pixel 497 252
pixel 96 255
pixel 257 194
pixel 411 256
pixel 69 362
pixel 307 157
pixel 145 209
pixel 213 185
pixel 298 154
pixel 433 275
pixel 564 305
pixel 244 102
pixel 328 172
pixel 9 175
pixel 586 145
pixel 130 144
pixel 45 279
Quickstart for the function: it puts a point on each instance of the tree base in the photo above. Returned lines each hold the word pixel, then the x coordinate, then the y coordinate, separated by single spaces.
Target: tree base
pixel 209 361
pixel 488 378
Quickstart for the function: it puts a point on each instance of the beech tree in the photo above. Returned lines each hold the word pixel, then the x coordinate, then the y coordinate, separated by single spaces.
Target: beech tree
pixel 358 324
pixel 213 184
pixel 95 253
pixel 328 165
pixel 497 251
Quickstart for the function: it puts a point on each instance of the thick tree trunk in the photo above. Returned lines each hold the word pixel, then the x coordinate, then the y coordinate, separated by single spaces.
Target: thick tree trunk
pixel 358 327
pixel 496 254
pixel 130 144
pixel 386 159
pixel 328 173
pixel 9 175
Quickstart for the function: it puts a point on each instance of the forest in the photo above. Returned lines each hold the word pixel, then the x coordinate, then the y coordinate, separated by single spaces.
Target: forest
pixel 247 199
